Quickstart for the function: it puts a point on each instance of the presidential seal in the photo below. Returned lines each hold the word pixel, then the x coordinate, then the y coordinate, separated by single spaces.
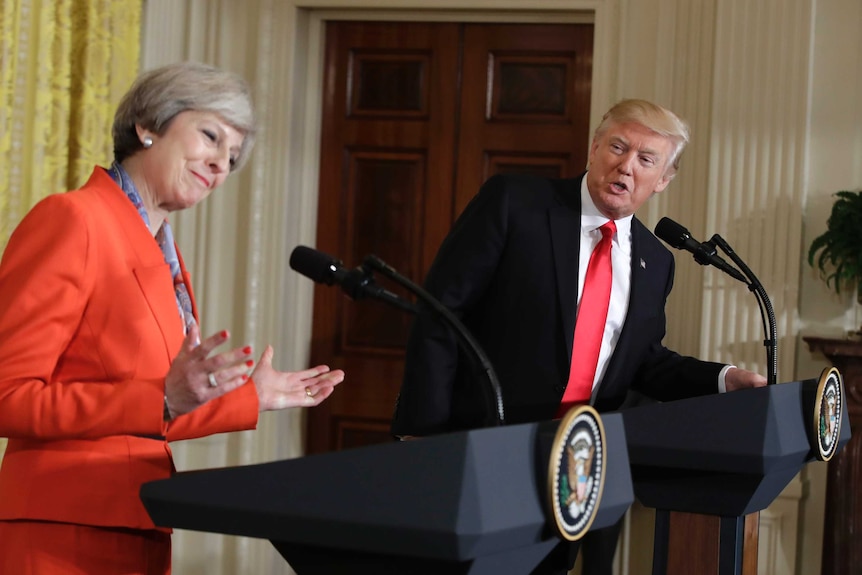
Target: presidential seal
pixel 576 473
pixel 828 408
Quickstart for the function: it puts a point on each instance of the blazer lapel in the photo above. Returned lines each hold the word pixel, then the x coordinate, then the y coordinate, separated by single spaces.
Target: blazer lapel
pixel 162 303
pixel 151 271
pixel 565 225
pixel 187 278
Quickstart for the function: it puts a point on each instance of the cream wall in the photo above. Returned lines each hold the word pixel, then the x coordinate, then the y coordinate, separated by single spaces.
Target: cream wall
pixel 834 162
pixel 770 87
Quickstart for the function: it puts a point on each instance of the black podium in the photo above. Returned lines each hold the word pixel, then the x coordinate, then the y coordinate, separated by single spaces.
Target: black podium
pixel 469 502
pixel 724 455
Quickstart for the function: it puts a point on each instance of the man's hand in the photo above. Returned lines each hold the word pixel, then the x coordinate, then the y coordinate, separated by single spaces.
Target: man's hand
pixel 736 378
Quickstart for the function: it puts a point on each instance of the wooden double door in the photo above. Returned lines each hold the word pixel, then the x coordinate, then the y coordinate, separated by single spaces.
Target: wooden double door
pixel 415 117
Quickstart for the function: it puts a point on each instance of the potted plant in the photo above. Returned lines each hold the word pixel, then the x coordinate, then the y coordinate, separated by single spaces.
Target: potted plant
pixel 840 246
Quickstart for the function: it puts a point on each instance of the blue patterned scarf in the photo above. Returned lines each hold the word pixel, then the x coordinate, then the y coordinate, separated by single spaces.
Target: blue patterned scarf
pixel 165 239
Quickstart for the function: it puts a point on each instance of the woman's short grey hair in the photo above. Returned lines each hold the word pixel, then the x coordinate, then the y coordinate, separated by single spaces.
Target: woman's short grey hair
pixel 653 117
pixel 158 95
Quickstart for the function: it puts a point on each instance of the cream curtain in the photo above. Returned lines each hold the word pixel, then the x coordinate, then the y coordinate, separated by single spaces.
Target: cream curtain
pixel 64 65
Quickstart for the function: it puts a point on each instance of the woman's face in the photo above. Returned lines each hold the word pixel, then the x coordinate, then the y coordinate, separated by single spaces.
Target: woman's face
pixel 189 160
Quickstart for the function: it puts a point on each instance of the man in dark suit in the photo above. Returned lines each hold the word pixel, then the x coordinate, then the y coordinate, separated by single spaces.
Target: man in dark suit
pixel 513 269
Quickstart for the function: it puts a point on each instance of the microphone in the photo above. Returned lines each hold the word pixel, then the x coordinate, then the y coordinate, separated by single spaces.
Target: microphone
pixel 704 253
pixel 357 283
pixel 465 338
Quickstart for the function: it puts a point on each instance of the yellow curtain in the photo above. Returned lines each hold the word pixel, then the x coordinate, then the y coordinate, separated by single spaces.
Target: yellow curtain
pixel 64 65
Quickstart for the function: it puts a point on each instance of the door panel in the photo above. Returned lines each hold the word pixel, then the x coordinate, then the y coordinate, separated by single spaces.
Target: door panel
pixel 415 117
pixel 528 111
pixel 389 119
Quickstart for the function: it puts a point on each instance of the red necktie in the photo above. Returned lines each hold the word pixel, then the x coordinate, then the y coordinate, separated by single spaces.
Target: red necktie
pixel 592 314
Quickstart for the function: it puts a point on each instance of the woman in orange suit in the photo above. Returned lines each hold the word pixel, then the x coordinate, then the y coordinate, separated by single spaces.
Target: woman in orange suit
pixel 101 359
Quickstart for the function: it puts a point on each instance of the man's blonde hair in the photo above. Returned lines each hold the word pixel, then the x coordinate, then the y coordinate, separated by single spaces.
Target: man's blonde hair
pixel 653 117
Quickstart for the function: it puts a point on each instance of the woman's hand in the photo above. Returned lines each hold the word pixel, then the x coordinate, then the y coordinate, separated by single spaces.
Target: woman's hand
pixel 195 378
pixel 280 389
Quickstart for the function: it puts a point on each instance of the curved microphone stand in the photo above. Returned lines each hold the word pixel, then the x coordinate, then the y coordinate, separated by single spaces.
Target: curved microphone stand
pixel 465 338
pixel 767 315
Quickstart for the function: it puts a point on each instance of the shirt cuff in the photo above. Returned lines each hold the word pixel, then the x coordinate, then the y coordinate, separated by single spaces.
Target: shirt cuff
pixel 722 386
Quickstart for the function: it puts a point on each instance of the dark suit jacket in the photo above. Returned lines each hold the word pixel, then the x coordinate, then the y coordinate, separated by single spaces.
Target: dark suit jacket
pixel 509 270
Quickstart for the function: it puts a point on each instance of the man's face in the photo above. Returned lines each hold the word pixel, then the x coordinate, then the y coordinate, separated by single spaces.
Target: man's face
pixel 628 164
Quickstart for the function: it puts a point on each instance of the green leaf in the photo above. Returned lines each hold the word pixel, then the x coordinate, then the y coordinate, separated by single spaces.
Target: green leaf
pixel 840 246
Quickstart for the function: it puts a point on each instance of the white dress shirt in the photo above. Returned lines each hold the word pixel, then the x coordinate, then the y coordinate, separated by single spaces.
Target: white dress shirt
pixel 621 255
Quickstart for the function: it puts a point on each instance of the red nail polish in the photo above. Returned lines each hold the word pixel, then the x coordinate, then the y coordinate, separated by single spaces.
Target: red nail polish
pixel 223 333
pixel 244 377
pixel 249 363
pixel 246 349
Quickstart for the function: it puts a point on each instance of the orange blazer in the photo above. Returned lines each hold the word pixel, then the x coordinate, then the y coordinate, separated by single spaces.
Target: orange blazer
pixel 88 328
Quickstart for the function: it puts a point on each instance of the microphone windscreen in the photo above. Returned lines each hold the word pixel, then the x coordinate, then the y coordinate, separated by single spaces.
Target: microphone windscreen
pixel 313 264
pixel 672 233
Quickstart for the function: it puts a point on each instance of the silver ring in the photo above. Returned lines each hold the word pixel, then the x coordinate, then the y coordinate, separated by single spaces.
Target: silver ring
pixel 213 382
pixel 308 393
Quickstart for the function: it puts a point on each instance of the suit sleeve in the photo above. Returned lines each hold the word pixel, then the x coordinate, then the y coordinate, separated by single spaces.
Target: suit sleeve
pixel 666 375
pixel 237 410
pixel 459 276
pixel 46 278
